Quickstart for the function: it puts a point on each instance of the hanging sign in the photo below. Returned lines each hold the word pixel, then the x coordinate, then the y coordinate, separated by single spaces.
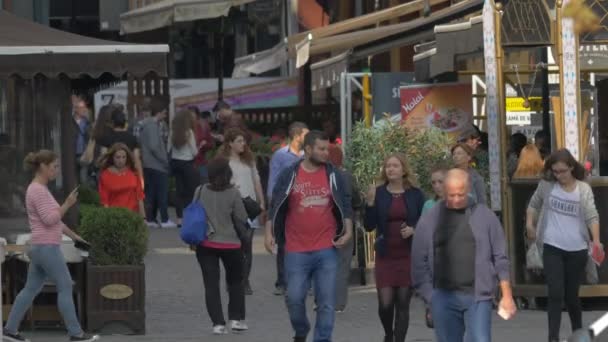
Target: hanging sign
pixel 519 118
pixel 518 104
pixel 489 46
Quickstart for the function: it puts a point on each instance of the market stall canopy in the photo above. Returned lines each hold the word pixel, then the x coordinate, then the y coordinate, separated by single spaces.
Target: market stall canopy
pixel 451 41
pixel 416 31
pixel 377 40
pixel 363 21
pixel 27 49
pixel 370 42
pixel 166 12
pixel 260 62
pixel 247 93
pixel 251 92
pixel 273 58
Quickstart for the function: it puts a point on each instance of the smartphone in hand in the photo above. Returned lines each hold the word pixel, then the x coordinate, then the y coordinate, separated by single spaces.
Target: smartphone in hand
pixel 84 246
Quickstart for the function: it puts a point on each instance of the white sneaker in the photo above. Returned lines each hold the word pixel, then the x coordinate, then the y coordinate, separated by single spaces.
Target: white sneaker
pixel 238 326
pixel 168 225
pixel 152 224
pixel 219 330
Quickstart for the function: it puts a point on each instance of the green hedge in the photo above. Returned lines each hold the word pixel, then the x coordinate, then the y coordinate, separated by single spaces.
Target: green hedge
pixel 118 236
pixel 87 195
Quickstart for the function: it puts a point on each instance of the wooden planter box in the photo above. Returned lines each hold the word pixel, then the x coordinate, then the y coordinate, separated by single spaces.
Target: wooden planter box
pixel 116 294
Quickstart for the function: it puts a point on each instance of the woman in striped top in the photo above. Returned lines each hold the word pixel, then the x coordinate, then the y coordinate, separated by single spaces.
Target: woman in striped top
pixel 46 259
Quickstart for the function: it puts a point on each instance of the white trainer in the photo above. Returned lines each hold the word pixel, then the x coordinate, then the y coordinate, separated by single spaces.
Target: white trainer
pixel 238 326
pixel 219 330
pixel 168 225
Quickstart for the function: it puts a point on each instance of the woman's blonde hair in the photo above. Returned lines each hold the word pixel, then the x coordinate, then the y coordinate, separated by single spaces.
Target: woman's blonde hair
pixel 530 163
pixel 409 180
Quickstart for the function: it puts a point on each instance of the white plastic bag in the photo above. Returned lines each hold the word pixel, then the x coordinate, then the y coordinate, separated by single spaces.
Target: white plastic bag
pixel 534 261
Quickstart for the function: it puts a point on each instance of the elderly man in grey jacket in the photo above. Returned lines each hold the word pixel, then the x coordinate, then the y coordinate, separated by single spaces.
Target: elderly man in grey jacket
pixel 458 256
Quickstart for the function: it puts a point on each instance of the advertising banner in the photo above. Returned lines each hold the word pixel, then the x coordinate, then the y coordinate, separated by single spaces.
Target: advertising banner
pixel 444 106
pixel 385 92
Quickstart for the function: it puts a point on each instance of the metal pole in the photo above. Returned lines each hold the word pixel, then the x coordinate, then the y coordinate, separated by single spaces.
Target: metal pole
pixel 343 111
pixel 506 189
pixel 560 139
pixel 2 254
pixel 544 57
pixel 349 103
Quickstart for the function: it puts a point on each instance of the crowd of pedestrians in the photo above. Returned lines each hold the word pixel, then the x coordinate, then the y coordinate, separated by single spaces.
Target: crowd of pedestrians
pixel 449 249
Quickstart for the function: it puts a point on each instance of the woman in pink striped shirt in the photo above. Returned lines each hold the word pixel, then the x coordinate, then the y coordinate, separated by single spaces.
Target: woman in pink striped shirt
pixel 46 259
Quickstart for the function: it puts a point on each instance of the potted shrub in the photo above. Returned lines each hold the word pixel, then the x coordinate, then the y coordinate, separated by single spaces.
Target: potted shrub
pixel 369 146
pixel 116 271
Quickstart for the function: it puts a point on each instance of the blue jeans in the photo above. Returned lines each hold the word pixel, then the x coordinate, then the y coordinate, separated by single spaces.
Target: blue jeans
pixel 46 261
pixel 453 311
pixel 157 194
pixel 318 267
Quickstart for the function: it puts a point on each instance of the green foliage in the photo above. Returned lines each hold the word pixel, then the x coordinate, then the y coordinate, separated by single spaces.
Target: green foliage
pixel 265 146
pixel 369 146
pixel 118 236
pixel 87 195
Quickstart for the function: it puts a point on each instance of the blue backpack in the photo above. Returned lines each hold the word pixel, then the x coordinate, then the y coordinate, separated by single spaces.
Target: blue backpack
pixel 194 222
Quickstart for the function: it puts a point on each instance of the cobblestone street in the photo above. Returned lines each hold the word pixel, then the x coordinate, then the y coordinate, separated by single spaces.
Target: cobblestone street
pixel 175 307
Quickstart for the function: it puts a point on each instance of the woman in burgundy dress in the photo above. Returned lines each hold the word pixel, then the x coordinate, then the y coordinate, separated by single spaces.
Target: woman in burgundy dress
pixel 393 210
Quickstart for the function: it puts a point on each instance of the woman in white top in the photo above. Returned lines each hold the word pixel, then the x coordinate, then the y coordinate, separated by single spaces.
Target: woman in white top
pixel 563 221
pixel 247 180
pixel 182 151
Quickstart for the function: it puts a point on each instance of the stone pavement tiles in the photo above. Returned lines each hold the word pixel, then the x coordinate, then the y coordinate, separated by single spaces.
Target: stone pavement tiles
pixel 176 312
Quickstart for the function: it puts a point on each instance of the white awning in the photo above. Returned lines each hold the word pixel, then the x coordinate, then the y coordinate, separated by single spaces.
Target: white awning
pixel 166 12
pixel 326 73
pixel 260 62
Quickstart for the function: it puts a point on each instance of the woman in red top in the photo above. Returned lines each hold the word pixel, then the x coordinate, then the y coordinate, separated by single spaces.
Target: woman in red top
pixel 119 184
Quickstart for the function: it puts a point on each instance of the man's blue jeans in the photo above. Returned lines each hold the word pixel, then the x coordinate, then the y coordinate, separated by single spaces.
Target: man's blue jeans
pixel 46 262
pixel 453 311
pixel 318 267
pixel 157 194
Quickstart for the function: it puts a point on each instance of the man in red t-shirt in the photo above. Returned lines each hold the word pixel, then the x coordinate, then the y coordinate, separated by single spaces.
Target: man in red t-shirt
pixel 312 215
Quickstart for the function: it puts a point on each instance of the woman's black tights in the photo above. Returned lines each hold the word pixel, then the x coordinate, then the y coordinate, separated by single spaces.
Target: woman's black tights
pixel 394 311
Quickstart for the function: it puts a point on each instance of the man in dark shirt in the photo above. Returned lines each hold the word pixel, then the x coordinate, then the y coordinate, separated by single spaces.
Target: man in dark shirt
pixel 458 257
pixel 119 134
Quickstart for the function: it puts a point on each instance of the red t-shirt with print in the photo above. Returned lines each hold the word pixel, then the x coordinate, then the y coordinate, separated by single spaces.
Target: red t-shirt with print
pixel 310 224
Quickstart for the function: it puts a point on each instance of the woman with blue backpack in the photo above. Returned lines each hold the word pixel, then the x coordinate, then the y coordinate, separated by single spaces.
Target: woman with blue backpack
pixel 226 224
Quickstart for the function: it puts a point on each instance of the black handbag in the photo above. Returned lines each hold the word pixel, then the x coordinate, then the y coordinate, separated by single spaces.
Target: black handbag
pixel 252 207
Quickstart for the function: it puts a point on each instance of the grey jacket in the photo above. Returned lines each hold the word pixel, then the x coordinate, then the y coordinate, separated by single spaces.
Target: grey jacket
pixel 225 214
pixel 491 261
pixel 540 201
pixel 153 148
pixel 478 186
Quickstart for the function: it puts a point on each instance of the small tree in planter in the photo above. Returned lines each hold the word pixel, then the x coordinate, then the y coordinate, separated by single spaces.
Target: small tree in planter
pixel 116 289
pixel 369 146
